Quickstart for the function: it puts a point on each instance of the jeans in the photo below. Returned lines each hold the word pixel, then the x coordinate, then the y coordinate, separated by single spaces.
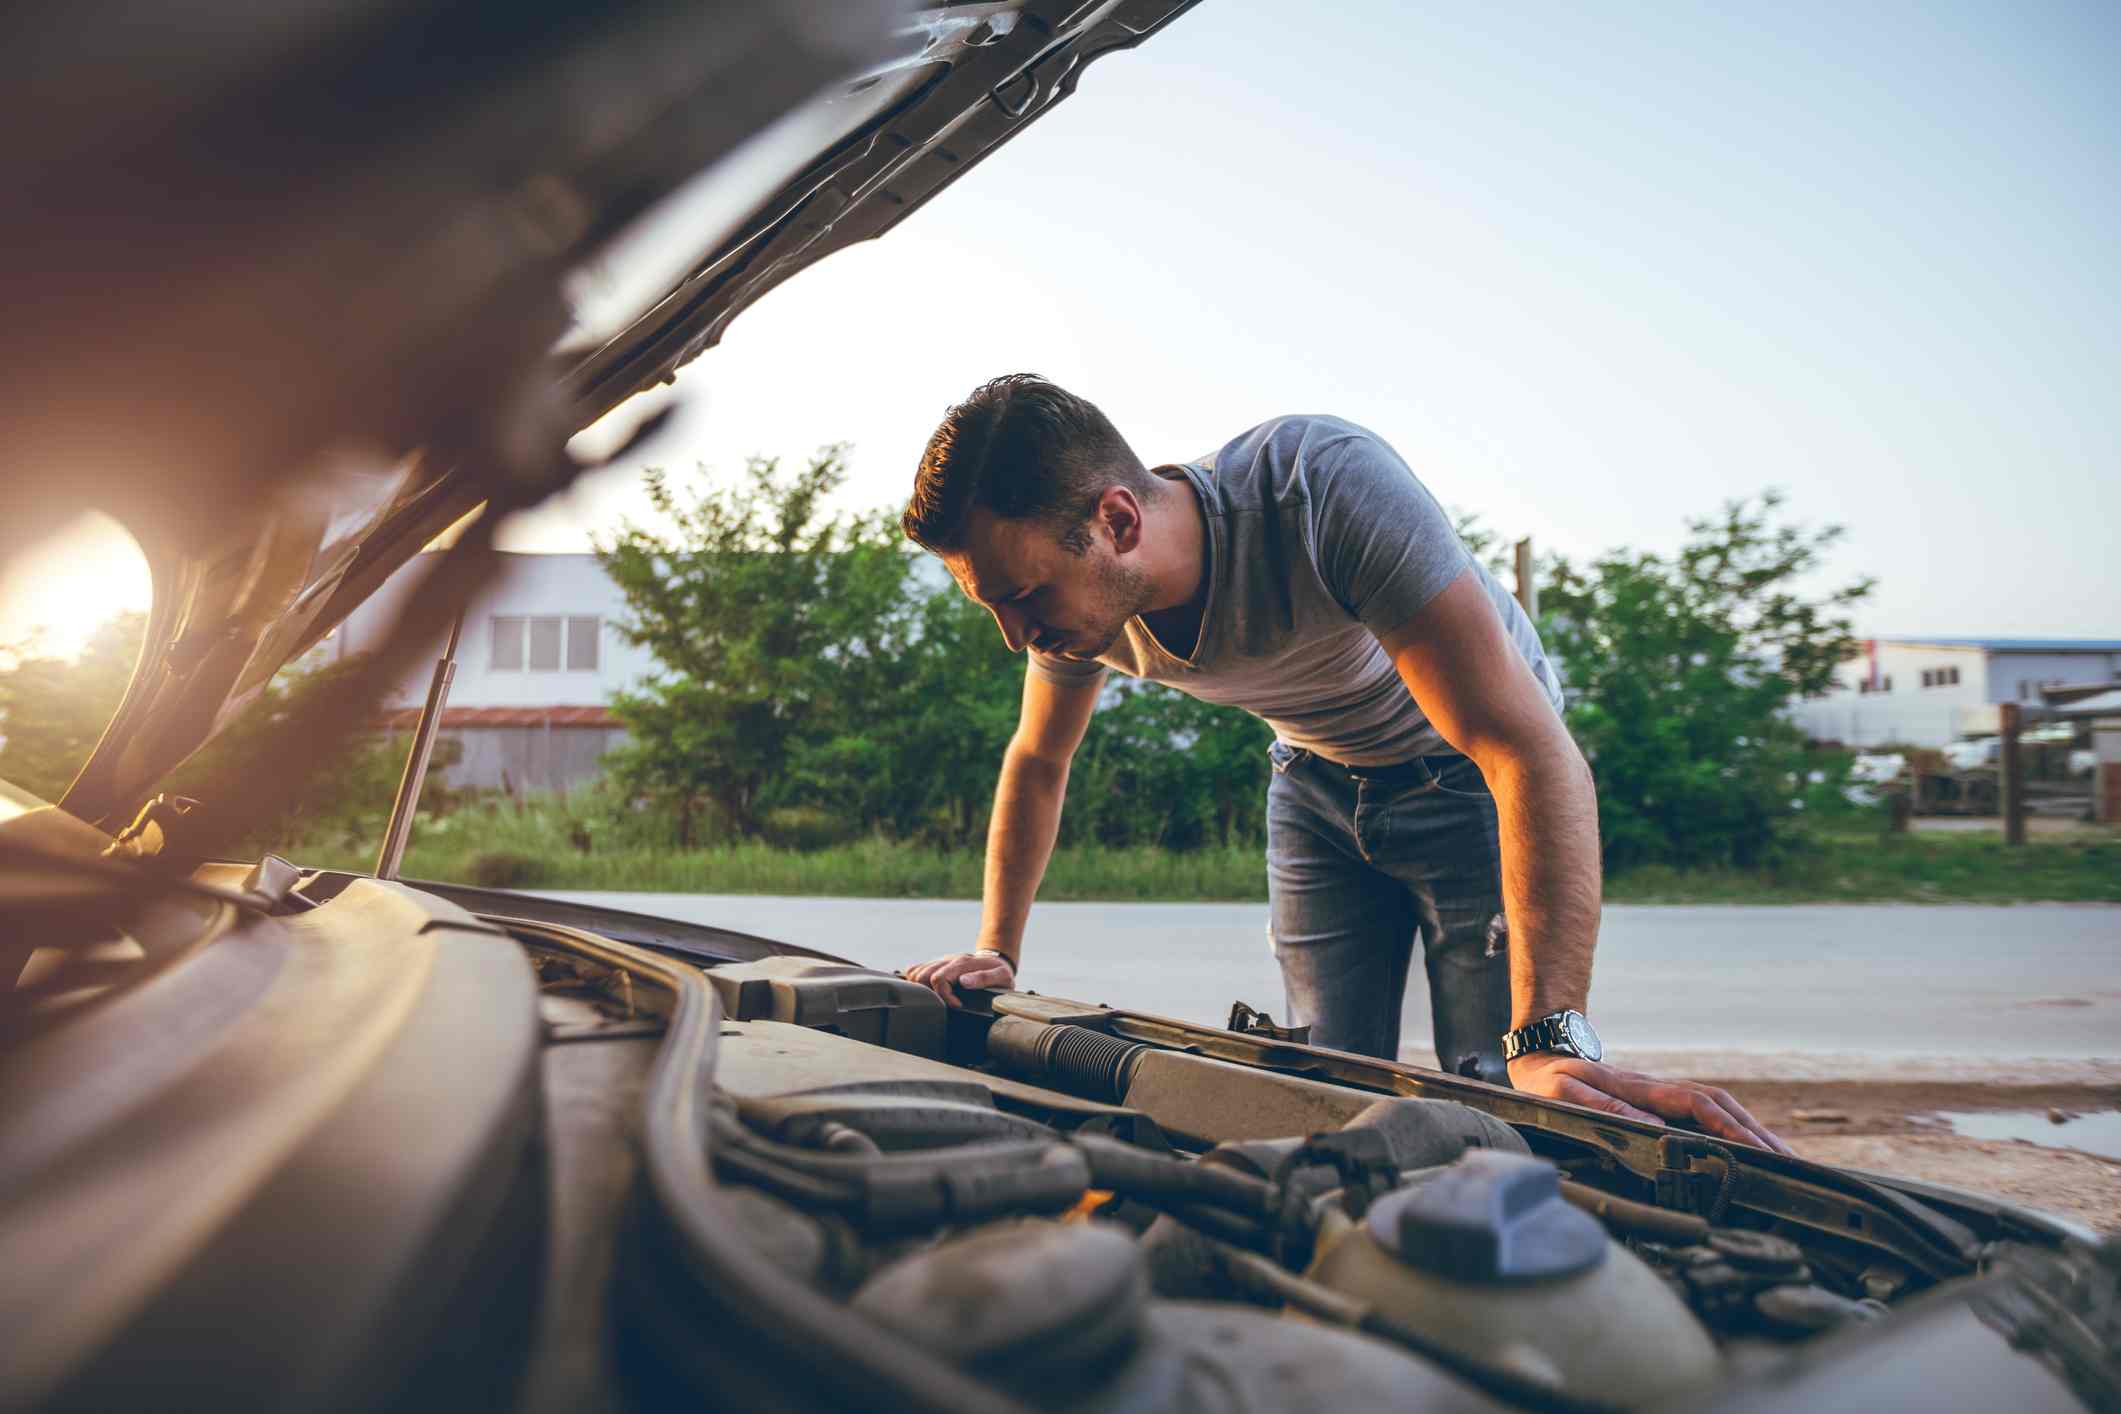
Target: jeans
pixel 1355 869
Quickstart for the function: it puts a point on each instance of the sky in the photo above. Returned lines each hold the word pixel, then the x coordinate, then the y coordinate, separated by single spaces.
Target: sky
pixel 1592 270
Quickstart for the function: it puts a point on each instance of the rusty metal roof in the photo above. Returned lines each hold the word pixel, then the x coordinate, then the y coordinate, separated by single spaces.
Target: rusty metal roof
pixel 457 717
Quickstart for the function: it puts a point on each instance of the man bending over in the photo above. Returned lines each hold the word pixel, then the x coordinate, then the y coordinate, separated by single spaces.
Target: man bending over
pixel 1423 783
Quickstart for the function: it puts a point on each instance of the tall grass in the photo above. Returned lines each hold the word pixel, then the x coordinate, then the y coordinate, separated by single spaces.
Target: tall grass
pixel 866 869
pixel 1856 866
pixel 564 843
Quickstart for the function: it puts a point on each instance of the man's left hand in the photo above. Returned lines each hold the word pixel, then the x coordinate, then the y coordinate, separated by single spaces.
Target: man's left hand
pixel 1637 1096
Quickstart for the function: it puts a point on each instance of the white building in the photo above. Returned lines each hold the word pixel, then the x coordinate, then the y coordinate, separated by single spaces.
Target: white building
pixel 1930 691
pixel 540 659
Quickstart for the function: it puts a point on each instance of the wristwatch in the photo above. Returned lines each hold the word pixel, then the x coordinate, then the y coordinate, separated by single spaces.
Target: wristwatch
pixel 1566 1033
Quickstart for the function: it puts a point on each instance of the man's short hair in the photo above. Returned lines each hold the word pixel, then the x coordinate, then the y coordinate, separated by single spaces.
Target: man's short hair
pixel 1019 447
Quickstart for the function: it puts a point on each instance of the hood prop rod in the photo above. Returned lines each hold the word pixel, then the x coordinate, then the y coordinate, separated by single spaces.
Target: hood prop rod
pixel 399 831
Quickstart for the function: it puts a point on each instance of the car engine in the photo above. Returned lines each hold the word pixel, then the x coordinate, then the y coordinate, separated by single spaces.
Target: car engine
pixel 313 1140
pixel 1076 1219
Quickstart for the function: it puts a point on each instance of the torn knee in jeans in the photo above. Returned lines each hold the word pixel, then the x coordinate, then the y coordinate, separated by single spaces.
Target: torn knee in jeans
pixel 1498 936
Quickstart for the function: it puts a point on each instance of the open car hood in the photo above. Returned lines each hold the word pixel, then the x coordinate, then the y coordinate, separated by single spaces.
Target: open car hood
pixel 364 220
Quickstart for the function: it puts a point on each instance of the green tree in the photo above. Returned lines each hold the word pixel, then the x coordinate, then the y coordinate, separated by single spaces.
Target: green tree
pixel 921 757
pixel 1485 545
pixel 1158 767
pixel 778 626
pixel 52 711
pixel 1679 669
pixel 348 795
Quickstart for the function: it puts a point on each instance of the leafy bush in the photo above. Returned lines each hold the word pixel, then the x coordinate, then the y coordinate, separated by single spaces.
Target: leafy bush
pixel 775 624
pixel 1679 670
pixel 1159 768
pixel 497 869
pixel 806 828
pixel 351 785
pixel 52 711
pixel 820 692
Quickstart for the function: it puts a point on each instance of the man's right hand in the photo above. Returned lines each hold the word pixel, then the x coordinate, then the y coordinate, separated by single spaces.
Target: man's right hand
pixel 964 969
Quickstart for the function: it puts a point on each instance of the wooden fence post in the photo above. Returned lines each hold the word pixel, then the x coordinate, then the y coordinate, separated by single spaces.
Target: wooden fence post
pixel 1527 586
pixel 2010 775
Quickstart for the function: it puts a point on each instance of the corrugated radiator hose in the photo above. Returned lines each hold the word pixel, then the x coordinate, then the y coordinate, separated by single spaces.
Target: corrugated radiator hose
pixel 1063 1057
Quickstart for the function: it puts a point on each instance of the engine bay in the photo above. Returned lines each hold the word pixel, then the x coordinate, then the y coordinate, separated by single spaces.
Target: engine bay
pixel 356 1144
pixel 1080 1208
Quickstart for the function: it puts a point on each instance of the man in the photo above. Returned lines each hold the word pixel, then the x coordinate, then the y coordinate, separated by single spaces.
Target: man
pixel 1304 574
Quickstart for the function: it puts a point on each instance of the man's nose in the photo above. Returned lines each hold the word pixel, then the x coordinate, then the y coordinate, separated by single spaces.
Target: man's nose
pixel 1014 626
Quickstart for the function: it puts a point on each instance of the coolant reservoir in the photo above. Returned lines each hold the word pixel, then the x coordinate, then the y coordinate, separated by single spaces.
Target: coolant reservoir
pixel 1487 1258
pixel 1058 1315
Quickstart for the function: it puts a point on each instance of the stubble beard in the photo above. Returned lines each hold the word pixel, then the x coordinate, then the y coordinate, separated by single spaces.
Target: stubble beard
pixel 1122 591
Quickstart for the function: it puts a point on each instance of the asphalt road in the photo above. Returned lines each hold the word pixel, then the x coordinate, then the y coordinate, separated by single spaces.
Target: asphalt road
pixel 1886 981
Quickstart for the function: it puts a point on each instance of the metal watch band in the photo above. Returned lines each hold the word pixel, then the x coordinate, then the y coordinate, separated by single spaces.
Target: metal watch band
pixel 1546 1034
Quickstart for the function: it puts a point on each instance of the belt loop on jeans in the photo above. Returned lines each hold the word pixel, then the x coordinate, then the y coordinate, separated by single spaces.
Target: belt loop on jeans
pixel 1285 758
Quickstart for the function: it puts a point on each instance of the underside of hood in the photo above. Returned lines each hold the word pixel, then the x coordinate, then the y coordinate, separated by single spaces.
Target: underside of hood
pixel 293 298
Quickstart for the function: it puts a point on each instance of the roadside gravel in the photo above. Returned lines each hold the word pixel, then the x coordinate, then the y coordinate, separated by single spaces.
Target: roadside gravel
pixel 1882 1115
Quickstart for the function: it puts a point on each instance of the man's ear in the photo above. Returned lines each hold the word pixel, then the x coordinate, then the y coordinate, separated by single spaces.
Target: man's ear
pixel 1121 516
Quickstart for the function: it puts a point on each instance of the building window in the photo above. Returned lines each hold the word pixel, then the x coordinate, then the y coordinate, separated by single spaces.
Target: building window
pixel 541 643
pixel 582 644
pixel 1929 677
pixel 545 645
pixel 507 643
pixel 1885 684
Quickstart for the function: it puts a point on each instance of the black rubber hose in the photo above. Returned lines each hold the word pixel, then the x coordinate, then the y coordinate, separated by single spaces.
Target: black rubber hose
pixel 1111 1163
pixel 897 1128
pixel 1224 1226
pixel 910 1191
pixel 809 1190
pixel 845 1139
pixel 852 1168
pixel 923 1187
pixel 1148 1177
pixel 1064 1057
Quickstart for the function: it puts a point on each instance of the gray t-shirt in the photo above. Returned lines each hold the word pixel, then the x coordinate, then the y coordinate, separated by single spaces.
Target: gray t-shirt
pixel 1319 539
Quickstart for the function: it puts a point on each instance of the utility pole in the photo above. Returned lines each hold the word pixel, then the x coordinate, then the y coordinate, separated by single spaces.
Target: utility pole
pixel 1527 586
pixel 2010 775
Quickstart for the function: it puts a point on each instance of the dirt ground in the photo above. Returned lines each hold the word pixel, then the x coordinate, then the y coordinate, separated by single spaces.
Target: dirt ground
pixel 1890 1127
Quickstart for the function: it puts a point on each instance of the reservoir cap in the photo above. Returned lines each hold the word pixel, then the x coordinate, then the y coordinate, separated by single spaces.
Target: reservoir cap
pixel 1490 1217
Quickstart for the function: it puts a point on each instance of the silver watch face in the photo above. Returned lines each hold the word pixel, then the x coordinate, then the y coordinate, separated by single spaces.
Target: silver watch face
pixel 1581 1036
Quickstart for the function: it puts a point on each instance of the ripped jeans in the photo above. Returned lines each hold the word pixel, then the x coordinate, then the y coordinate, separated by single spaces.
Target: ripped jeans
pixel 1355 869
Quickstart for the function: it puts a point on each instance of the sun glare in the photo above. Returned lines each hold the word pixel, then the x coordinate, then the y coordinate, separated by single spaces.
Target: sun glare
pixel 53 598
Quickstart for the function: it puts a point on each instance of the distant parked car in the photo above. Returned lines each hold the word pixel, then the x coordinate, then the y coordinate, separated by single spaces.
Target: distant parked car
pixel 1965 755
pixel 1876 768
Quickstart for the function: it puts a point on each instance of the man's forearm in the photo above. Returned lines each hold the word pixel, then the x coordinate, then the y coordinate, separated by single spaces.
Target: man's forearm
pixel 1551 882
pixel 1027 811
